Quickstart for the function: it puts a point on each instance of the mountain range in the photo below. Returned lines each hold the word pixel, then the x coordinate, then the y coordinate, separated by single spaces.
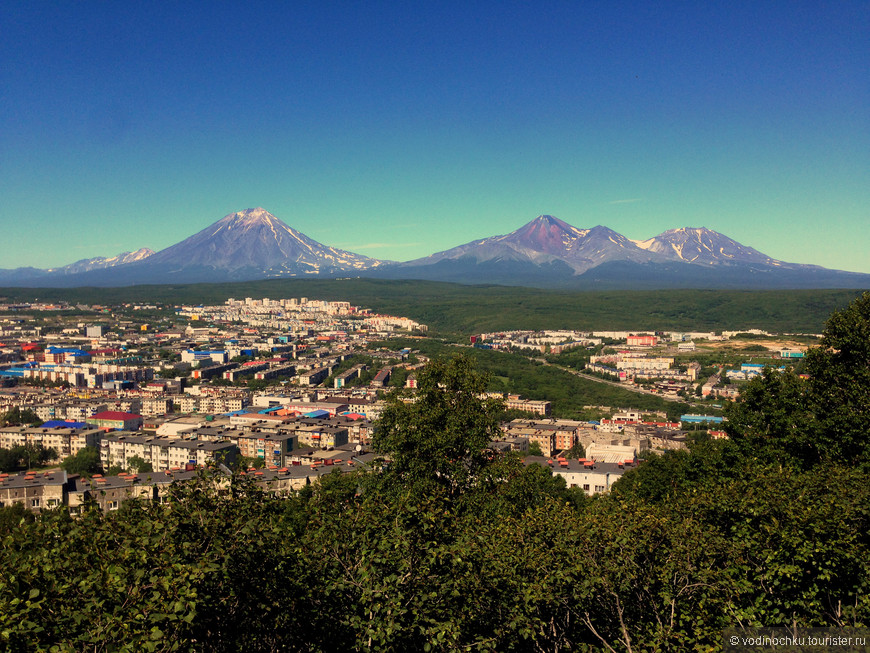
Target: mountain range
pixel 546 252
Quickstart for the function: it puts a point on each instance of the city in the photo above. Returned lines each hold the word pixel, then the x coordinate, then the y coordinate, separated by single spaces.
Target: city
pixel 278 385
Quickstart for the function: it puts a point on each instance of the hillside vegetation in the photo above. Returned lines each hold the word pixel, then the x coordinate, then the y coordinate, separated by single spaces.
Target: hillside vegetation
pixel 456 308
pixel 567 392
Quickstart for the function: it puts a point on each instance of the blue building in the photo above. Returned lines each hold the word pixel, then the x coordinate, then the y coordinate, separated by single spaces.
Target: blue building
pixel 700 419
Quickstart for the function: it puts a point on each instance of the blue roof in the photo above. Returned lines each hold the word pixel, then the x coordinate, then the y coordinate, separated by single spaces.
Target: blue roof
pixel 67 350
pixel 317 413
pixel 235 412
pixel 701 418
pixel 272 409
pixel 59 423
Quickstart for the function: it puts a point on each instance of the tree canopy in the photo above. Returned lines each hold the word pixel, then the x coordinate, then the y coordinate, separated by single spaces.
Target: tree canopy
pixel 819 417
pixel 440 433
pixel 85 462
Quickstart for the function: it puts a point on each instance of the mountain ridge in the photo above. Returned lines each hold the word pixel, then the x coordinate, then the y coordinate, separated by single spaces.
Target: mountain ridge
pixel 254 244
pixel 254 238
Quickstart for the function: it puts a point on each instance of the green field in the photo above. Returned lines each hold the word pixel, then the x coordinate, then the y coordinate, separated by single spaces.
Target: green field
pixel 567 392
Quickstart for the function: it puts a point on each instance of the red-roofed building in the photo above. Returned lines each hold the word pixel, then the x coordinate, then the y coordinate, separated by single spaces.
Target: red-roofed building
pixel 116 419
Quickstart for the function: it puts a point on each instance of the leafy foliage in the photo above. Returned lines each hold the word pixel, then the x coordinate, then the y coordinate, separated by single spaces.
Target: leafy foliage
pixel 18 415
pixel 462 309
pixel 441 434
pixel 139 464
pixel 822 417
pixel 25 456
pixel 839 378
pixel 85 462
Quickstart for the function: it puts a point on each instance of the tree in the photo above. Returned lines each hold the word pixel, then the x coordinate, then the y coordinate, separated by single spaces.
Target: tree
pixel 439 434
pixel 179 576
pixel 37 455
pixel 773 415
pixel 25 456
pixel 258 384
pixel 535 448
pixel 85 463
pixel 823 417
pixel 246 462
pixel 19 416
pixel 9 460
pixel 12 516
pixel 138 464
pixel 839 379
pixel 577 451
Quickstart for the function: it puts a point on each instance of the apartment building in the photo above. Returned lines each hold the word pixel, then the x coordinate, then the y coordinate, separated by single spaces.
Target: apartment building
pixel 552 435
pixel 348 375
pixel 65 440
pixel 77 411
pixel 589 475
pixel 312 377
pixel 273 448
pixel 317 434
pixel 157 406
pixel 116 419
pixel 35 491
pixel 515 402
pixel 164 453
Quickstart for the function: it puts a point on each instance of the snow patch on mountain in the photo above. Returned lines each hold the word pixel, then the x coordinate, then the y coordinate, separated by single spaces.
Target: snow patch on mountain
pixel 101 262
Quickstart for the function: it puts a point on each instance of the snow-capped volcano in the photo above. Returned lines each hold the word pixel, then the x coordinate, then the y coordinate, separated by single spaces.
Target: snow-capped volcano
pixel 101 262
pixel 547 239
pixel 247 245
pixel 703 246
pixel 255 240
pixel 546 252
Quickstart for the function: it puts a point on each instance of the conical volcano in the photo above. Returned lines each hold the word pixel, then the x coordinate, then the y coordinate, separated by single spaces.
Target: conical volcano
pixel 255 240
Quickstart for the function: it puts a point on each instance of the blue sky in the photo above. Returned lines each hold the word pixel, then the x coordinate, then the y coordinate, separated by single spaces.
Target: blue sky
pixel 399 129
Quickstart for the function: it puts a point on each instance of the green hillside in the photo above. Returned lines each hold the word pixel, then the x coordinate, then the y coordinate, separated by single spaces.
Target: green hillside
pixel 468 309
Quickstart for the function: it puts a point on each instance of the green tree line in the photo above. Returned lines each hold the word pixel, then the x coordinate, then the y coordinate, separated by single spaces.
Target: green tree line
pixel 464 309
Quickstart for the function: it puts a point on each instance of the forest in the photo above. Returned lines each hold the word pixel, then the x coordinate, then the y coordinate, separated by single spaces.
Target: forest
pixel 568 393
pixel 443 545
pixel 450 308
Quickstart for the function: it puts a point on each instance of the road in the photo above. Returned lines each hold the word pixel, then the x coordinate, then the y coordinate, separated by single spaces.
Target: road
pixel 616 384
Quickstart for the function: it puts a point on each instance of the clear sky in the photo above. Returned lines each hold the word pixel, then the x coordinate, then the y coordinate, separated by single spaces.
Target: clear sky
pixel 398 129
